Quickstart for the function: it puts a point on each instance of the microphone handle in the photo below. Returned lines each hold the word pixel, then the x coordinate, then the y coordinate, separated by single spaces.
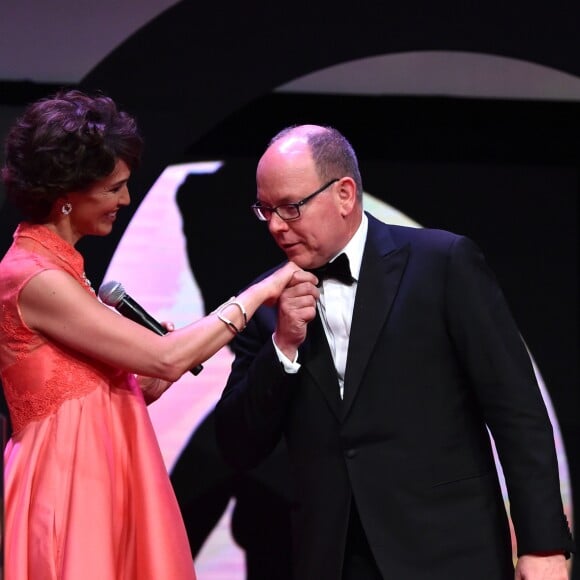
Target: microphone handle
pixel 130 309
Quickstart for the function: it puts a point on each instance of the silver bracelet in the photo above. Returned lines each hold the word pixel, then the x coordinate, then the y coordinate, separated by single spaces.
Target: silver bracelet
pixel 231 302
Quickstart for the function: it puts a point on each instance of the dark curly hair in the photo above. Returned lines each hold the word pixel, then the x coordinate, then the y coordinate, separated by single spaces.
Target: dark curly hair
pixel 65 143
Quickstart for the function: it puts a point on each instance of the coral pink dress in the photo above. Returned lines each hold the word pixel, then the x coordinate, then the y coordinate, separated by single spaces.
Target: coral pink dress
pixel 87 493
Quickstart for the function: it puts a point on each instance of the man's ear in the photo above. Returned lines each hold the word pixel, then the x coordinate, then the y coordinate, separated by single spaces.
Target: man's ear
pixel 347 195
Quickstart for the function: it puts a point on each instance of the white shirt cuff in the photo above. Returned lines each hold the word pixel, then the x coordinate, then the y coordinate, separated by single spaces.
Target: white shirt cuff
pixel 290 366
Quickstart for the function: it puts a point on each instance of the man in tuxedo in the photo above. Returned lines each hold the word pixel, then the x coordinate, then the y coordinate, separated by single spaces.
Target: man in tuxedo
pixel 383 377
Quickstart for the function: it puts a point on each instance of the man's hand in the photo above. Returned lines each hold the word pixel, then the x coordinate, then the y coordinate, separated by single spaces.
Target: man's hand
pixel 542 567
pixel 296 308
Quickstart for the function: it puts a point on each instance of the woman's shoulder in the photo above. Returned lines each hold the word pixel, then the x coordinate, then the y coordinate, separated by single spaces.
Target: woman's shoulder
pixel 20 264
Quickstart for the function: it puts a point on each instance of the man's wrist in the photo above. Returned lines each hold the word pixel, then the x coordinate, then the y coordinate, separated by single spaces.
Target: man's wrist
pixel 290 363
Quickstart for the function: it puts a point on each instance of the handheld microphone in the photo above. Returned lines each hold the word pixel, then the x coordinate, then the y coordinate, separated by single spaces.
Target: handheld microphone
pixel 113 294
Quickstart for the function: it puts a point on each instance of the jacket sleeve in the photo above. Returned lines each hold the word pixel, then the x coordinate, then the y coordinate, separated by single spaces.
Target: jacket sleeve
pixel 251 411
pixel 499 367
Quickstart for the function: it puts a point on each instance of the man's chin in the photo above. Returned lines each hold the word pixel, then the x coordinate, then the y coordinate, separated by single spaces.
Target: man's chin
pixel 300 260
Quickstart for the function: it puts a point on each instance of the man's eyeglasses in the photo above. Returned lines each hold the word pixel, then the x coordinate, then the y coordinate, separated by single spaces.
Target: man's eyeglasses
pixel 287 211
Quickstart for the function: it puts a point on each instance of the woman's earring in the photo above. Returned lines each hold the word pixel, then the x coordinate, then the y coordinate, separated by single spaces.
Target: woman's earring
pixel 66 208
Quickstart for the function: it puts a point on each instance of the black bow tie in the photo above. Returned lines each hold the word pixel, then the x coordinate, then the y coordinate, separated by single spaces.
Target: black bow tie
pixel 338 269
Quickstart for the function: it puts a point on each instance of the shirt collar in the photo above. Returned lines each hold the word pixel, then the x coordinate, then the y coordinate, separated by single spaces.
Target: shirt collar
pixel 355 247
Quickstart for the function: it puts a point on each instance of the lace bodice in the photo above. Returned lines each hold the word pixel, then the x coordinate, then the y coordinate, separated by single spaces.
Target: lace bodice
pixel 37 373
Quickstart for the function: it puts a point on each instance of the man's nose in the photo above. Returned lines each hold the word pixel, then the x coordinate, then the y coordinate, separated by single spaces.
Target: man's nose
pixel 277 224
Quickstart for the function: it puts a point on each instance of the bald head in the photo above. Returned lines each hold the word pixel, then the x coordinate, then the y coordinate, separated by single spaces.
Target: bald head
pixel 314 169
pixel 298 133
pixel 330 151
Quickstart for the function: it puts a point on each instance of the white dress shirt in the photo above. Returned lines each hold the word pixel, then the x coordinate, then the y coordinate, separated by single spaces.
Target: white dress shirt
pixel 335 307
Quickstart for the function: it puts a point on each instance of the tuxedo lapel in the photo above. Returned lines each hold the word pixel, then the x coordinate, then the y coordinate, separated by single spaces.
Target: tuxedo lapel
pixel 380 275
pixel 317 360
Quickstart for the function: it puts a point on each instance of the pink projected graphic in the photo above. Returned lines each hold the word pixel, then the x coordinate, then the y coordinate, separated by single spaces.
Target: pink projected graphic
pixel 151 262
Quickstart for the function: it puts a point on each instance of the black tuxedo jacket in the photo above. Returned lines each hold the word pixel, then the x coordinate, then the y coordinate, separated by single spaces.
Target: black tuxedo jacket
pixel 434 360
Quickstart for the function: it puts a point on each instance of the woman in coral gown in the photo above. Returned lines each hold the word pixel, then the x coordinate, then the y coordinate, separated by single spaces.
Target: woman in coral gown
pixel 87 492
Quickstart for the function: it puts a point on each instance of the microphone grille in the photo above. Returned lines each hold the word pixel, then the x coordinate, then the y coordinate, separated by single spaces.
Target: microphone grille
pixel 111 293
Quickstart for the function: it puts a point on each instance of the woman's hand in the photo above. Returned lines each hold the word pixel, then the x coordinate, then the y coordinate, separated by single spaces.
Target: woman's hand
pixel 152 388
pixel 279 280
